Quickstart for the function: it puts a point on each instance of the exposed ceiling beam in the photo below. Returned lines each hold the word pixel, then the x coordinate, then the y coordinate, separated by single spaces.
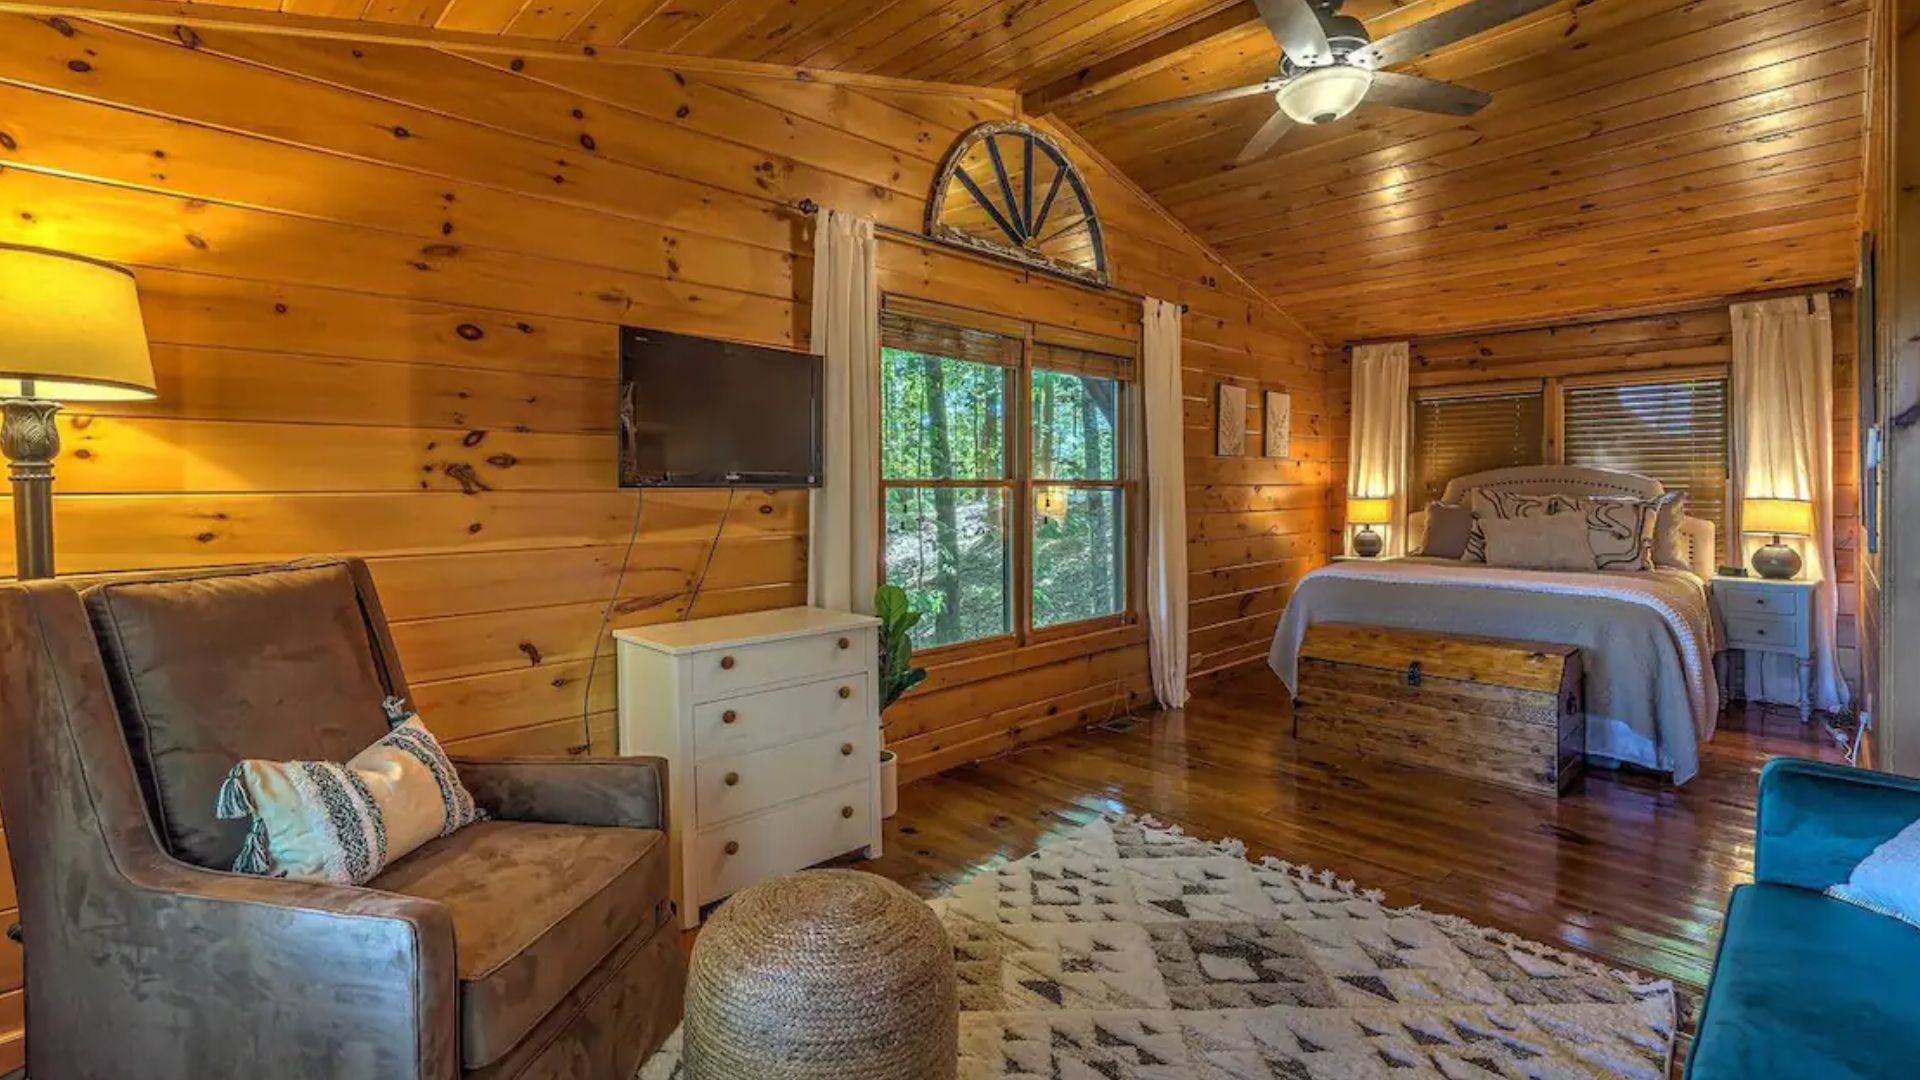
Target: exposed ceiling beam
pixel 1146 58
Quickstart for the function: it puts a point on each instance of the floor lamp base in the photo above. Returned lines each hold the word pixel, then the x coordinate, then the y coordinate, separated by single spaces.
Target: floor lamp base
pixel 30 439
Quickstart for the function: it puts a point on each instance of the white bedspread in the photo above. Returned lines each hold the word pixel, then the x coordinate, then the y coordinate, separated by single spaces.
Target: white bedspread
pixel 1647 639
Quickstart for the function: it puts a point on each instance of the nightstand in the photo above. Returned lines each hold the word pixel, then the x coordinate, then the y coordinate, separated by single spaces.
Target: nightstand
pixel 1770 616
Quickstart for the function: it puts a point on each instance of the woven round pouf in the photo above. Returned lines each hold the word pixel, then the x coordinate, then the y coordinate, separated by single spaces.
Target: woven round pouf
pixel 822 975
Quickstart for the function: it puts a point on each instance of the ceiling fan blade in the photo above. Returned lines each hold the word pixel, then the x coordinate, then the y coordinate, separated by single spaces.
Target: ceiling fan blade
pixel 1425 95
pixel 1263 140
pixel 1209 98
pixel 1294 25
pixel 1473 17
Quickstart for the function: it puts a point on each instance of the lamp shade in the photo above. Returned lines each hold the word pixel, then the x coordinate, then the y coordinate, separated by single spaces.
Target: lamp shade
pixel 1370 511
pixel 73 329
pixel 1790 517
pixel 1324 94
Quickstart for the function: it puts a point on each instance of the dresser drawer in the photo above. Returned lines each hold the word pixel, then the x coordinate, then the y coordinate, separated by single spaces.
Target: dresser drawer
pixel 772 717
pixel 1769 632
pixel 725 672
pixel 729 787
pixel 1736 601
pixel 727 858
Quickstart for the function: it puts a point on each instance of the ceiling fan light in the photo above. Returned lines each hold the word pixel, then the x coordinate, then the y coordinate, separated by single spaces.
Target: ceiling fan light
pixel 1324 94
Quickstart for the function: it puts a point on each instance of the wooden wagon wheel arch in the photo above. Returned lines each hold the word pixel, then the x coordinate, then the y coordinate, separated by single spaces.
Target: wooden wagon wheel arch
pixel 1019 218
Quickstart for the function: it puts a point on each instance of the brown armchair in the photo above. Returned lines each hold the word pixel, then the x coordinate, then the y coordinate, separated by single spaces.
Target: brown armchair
pixel 540 943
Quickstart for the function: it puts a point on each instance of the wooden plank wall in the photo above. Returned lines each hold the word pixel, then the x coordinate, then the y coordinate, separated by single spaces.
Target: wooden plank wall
pixel 1648 343
pixel 383 282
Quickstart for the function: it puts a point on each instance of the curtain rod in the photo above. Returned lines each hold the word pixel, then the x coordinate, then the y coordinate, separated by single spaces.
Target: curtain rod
pixel 809 208
pixel 1833 289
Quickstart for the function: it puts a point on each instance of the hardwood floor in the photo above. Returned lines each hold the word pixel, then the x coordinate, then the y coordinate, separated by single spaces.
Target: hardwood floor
pixel 1624 867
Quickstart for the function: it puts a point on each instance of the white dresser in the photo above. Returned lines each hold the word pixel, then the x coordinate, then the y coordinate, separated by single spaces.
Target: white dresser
pixel 770 724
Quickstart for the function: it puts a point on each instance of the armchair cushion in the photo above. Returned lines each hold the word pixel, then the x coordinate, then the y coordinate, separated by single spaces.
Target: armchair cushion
pixel 277 664
pixel 1817 820
pixel 629 792
pixel 535 908
pixel 1806 986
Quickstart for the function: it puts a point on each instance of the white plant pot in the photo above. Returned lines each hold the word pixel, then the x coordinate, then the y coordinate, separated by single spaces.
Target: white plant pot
pixel 889 783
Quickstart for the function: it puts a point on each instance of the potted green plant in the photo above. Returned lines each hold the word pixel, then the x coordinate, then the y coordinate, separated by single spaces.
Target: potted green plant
pixel 897 676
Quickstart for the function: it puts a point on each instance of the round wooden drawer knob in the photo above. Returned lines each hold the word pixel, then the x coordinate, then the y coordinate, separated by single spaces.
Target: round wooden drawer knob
pixel 726 663
pixel 729 716
pixel 846 812
pixel 733 847
pixel 846 692
pixel 845 644
pixel 733 778
pixel 846 749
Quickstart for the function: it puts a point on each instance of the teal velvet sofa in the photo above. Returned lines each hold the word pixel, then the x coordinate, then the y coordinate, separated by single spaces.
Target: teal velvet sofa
pixel 1806 986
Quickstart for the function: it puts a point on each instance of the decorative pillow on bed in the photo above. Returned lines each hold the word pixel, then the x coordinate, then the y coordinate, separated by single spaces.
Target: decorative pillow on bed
pixel 1541 542
pixel 1669 543
pixel 1620 531
pixel 1888 880
pixel 1504 506
pixel 1449 528
pixel 342 824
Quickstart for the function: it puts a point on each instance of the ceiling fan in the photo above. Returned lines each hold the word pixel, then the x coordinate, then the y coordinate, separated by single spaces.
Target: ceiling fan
pixel 1329 65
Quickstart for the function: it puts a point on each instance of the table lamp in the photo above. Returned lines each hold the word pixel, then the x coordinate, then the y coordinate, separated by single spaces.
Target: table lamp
pixel 1367 513
pixel 72 333
pixel 1781 517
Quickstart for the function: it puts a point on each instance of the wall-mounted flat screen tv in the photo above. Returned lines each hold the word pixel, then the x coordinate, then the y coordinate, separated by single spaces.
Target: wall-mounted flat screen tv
pixel 696 412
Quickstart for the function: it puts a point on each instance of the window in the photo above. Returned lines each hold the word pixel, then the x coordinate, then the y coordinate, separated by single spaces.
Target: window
pixel 1005 474
pixel 1672 427
pixel 1457 434
pixel 1675 432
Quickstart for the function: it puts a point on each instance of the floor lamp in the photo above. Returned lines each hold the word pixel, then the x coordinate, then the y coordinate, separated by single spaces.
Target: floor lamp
pixel 71 332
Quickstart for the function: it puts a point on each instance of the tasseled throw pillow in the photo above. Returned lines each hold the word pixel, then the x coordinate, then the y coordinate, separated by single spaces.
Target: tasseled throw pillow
pixel 1888 880
pixel 343 824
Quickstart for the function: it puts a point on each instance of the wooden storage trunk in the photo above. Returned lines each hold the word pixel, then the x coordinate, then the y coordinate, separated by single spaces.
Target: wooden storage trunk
pixel 1510 712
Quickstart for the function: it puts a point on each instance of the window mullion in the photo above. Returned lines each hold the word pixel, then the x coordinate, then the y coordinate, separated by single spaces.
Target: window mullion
pixel 1020 462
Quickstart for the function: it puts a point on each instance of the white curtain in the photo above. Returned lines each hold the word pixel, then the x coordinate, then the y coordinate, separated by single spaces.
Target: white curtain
pixel 1382 419
pixel 1781 415
pixel 843 543
pixel 1166 504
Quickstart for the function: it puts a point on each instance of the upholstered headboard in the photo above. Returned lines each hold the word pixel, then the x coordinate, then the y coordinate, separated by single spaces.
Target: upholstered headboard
pixel 1696 535
pixel 1554 479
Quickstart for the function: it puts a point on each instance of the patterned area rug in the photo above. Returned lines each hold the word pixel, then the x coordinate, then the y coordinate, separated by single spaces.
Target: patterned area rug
pixel 1129 951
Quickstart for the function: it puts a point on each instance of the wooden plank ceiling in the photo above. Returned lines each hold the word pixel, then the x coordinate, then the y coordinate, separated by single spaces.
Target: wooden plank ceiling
pixel 1636 152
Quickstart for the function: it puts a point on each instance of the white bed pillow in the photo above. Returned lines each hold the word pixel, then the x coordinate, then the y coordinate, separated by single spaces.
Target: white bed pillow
pixel 1541 542
pixel 1888 880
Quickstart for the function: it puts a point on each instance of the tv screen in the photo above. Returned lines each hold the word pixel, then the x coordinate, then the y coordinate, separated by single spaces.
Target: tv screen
pixel 695 412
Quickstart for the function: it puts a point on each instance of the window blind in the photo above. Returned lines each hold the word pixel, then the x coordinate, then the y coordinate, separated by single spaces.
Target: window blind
pixel 1081 361
pixel 1455 436
pixel 1675 432
pixel 899 330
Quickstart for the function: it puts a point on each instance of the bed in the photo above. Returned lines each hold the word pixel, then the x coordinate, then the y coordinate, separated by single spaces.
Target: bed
pixel 1648 637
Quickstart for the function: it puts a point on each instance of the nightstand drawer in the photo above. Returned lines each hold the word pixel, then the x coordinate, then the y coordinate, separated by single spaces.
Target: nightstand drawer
pixel 1736 601
pixel 1763 632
